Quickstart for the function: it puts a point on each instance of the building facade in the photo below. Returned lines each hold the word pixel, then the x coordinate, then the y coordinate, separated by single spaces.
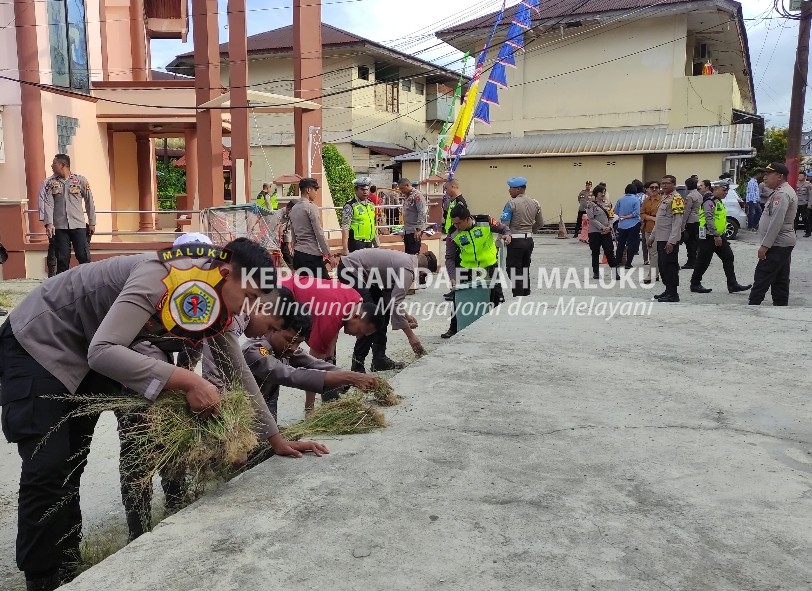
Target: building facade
pixel 378 102
pixel 77 80
pixel 611 91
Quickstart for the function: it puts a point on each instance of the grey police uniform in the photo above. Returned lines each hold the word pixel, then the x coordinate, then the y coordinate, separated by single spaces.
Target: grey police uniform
pixel 668 230
pixel 300 370
pixel 62 206
pixel 777 230
pixel 524 218
pixel 72 335
pixel 414 218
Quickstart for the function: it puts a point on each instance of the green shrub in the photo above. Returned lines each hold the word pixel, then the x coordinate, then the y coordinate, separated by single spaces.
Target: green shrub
pixel 171 182
pixel 339 176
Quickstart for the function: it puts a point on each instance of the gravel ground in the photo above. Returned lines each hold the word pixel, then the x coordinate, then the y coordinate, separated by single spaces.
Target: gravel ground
pixel 101 502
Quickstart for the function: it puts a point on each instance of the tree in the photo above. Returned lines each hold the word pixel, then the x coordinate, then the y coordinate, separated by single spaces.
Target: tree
pixel 339 174
pixel 171 182
pixel 774 148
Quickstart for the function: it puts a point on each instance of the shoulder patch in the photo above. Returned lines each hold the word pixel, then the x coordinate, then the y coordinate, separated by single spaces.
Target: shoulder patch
pixel 264 351
pixel 677 205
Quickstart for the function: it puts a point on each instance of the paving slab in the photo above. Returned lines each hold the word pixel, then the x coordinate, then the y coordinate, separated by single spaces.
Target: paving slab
pixel 562 451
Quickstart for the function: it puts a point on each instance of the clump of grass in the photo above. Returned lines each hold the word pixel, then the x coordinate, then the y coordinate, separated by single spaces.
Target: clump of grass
pixel 166 437
pixel 344 416
pixel 420 352
pixel 383 393
pixel 100 545
pixel 5 300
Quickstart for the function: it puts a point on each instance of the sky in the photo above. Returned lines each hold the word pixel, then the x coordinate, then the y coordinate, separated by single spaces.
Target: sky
pixel 772 39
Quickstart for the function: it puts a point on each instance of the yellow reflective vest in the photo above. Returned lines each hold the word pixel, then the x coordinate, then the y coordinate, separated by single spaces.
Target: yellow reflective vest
pixel 477 248
pixel 363 220
pixel 719 217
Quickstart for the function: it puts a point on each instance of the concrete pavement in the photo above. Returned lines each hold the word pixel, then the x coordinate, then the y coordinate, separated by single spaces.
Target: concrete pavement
pixel 548 452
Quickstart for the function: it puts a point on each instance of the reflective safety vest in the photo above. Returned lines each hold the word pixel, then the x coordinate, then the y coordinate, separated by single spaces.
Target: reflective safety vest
pixel 363 220
pixel 719 217
pixel 269 202
pixel 477 248
pixel 448 224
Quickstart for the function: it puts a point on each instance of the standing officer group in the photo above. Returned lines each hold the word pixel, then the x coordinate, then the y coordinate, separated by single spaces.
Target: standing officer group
pixel 62 195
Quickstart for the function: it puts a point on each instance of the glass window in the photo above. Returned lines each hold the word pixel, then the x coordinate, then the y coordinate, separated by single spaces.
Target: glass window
pixel 363 72
pixel 419 87
pixel 68 39
pixel 406 85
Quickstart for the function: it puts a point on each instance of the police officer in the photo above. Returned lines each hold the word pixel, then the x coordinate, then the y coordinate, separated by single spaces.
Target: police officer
pixel 523 217
pixel 667 234
pixel 383 276
pixel 267 200
pixel 454 195
pixel 777 233
pixel 71 335
pixel 63 194
pixel 690 221
pixel 804 191
pixel 472 248
pixel 358 227
pixel 414 216
pixel 711 233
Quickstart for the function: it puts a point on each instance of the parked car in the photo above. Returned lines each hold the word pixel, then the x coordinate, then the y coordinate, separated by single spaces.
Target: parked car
pixel 736 218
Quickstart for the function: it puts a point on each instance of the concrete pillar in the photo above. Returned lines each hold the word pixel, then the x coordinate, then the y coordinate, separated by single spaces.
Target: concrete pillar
pixel 138 36
pixel 26 27
pixel 307 71
pixel 190 140
pixel 209 122
pixel 238 87
pixel 143 152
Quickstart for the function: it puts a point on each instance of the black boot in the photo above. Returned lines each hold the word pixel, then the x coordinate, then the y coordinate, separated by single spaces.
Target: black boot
pixel 358 365
pixel 699 288
pixel 44 584
pixel 384 363
pixel 737 288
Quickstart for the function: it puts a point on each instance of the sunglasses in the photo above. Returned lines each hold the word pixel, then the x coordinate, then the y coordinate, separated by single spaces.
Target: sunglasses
pixel 653 188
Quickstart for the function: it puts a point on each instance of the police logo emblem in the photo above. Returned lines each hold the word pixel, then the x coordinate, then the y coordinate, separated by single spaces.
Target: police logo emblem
pixel 193 307
pixel 464 240
pixel 478 233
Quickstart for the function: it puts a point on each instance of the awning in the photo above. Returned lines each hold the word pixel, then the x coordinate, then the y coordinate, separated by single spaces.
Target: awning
pixel 729 139
pixel 265 102
pixel 382 148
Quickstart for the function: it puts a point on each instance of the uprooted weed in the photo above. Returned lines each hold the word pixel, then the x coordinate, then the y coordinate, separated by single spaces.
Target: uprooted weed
pixel 344 416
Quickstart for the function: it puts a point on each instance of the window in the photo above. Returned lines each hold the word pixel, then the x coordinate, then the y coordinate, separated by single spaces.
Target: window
pixel 68 39
pixel 406 85
pixel 363 72
pixel 387 97
pixel 419 88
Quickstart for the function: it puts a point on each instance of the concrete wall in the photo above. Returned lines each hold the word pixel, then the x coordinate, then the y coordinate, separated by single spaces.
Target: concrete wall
pixel 126 175
pixel 556 181
pixel 119 42
pixel 87 150
pixel 707 166
pixel 546 90
pixel 12 179
pixel 704 100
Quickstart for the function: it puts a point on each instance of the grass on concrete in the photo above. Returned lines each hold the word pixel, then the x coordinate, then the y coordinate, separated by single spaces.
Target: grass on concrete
pixel 344 416
pixel 5 300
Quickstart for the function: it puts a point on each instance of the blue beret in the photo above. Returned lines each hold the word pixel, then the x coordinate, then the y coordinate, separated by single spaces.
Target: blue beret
pixel 516 182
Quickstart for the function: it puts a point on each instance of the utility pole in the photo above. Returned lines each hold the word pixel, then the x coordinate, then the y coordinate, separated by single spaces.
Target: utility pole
pixel 796 110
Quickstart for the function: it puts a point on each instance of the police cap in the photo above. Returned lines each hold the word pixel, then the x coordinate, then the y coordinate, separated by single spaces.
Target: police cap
pixel 517 182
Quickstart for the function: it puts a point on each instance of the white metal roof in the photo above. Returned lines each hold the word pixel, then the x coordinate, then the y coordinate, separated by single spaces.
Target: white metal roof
pixel 641 140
